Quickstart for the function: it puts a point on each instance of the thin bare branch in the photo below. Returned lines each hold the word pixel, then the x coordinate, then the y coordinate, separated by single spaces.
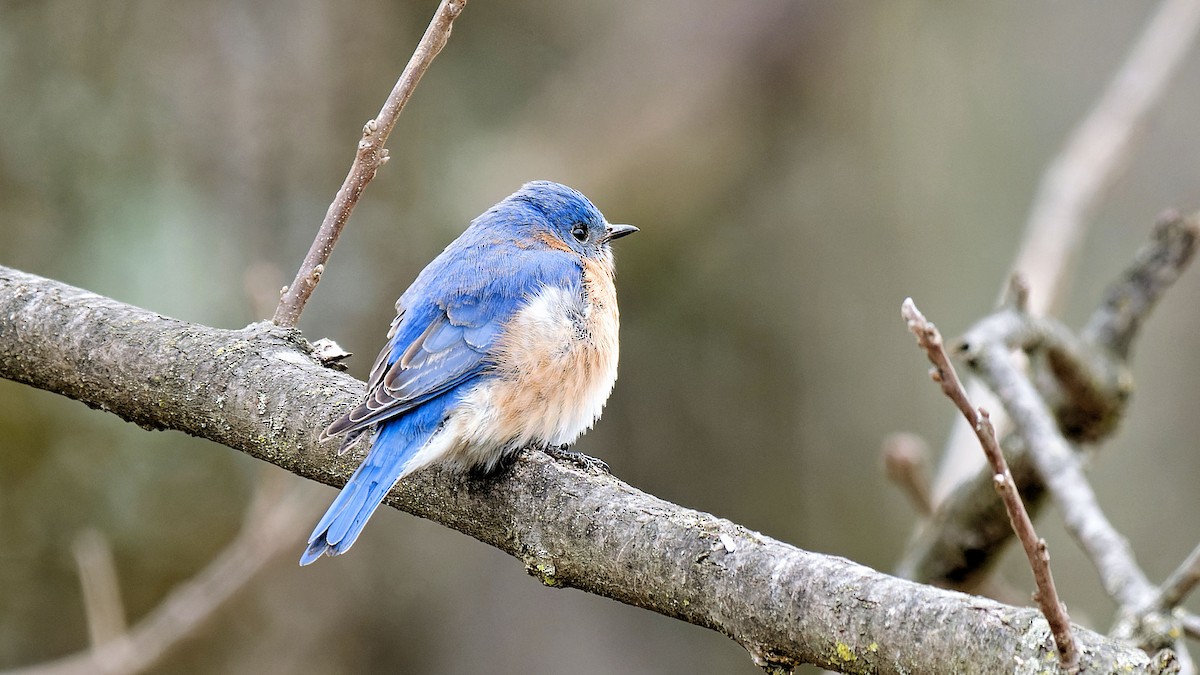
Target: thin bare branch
pixel 1181 582
pixel 906 463
pixel 1077 178
pixel 961 543
pixel 1093 380
pixel 1191 625
pixel 1097 150
pixel 1157 266
pixel 1085 380
pixel 275 515
pixel 930 339
pixel 1087 387
pixel 1059 469
pixel 101 591
pixel 367 159
pixel 1143 613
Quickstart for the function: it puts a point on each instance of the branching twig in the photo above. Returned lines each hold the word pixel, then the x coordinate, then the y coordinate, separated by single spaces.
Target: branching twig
pixel 1087 387
pixel 271 524
pixel 1059 469
pixel 1091 379
pixel 1088 381
pixel 1076 179
pixel 1097 149
pixel 1046 596
pixel 367 159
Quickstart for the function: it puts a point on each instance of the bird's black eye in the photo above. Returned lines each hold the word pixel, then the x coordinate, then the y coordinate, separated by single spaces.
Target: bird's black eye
pixel 579 231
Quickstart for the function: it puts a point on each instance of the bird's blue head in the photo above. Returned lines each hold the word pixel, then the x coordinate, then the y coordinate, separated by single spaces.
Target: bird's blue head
pixel 568 216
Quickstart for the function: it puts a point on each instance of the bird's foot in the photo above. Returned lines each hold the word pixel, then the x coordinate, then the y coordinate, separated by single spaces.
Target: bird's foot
pixel 578 459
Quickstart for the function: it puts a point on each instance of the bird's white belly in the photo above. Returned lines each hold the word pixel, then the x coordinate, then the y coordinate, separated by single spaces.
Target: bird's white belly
pixel 558 362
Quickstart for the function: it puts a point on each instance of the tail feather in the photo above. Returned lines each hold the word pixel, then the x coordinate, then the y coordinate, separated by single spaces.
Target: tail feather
pixel 388 461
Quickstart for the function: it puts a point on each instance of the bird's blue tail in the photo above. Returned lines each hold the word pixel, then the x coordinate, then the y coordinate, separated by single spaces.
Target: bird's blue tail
pixel 387 462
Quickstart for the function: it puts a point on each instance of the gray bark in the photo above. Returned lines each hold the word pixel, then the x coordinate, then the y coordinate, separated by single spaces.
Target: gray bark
pixel 258 390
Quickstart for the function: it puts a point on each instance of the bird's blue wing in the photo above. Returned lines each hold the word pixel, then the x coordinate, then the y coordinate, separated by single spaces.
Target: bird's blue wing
pixel 448 321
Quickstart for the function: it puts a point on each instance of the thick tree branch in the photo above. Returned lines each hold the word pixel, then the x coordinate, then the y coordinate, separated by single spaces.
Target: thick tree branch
pixel 259 391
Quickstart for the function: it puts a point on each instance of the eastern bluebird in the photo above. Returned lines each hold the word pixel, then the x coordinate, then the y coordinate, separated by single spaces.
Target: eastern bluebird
pixel 508 339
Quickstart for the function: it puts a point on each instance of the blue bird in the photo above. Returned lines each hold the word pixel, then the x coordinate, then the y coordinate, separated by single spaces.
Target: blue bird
pixel 508 339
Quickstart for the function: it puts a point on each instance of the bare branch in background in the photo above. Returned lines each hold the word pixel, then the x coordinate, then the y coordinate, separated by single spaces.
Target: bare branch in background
pixel 275 515
pixel 944 374
pixel 1140 621
pixel 1128 302
pixel 1191 625
pixel 1077 179
pixel 1181 582
pixel 906 463
pixel 1059 469
pixel 1081 377
pixel 1086 381
pixel 367 159
pixel 101 591
pixel 1098 149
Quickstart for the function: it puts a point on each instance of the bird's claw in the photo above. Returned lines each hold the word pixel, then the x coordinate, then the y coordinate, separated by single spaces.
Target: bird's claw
pixel 578 459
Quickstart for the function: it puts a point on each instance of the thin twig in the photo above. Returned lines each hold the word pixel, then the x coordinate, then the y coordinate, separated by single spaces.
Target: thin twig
pixel 1091 383
pixel 1128 302
pixel 906 463
pixel 1035 548
pixel 1078 177
pixel 1041 430
pixel 1191 625
pixel 1097 150
pixel 101 591
pixel 1181 582
pixel 1059 469
pixel 274 516
pixel 369 157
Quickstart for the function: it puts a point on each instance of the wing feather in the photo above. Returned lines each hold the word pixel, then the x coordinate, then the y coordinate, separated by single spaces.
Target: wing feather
pixel 439 340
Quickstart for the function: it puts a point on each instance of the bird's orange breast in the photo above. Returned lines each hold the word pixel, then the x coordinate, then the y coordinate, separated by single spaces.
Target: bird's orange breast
pixel 558 363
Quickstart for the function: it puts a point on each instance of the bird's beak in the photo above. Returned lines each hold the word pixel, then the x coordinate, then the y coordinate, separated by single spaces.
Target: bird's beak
pixel 618 231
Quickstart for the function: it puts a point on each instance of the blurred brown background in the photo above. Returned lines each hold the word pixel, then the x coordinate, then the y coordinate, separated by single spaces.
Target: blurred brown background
pixel 797 169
